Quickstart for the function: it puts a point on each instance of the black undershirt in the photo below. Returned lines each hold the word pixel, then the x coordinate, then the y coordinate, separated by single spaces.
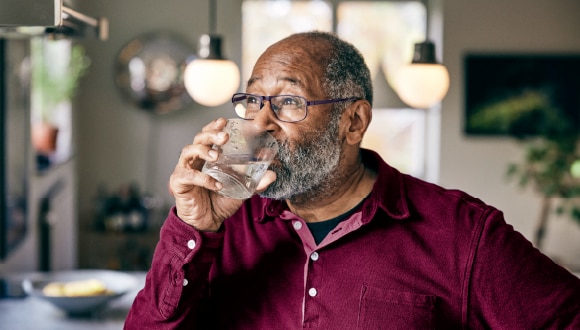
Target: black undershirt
pixel 320 229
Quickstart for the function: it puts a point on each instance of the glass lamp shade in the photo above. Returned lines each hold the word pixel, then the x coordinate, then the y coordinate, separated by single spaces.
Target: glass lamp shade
pixel 211 82
pixel 422 85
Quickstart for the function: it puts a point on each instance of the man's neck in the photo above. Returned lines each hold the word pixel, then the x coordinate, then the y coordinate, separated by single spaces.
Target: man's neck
pixel 344 197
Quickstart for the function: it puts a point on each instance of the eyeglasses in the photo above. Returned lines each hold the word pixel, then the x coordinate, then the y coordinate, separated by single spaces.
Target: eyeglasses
pixel 287 108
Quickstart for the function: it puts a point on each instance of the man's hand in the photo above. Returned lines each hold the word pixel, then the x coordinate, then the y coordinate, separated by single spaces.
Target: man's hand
pixel 196 199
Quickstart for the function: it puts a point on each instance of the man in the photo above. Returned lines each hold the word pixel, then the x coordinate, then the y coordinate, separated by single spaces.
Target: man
pixel 338 239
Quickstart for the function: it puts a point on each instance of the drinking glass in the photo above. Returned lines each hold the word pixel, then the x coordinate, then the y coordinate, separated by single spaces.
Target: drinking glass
pixel 243 159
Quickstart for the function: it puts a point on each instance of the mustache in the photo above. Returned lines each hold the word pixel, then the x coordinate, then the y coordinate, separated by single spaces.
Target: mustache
pixel 282 155
pixel 288 151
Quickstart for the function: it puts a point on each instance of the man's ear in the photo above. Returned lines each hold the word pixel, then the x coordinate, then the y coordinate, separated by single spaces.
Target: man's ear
pixel 359 117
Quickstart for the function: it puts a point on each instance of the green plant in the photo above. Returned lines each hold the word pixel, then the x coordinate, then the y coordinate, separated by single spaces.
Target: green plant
pixel 518 113
pixel 55 83
pixel 551 165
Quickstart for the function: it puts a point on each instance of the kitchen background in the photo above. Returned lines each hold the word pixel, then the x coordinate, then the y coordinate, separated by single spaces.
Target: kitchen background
pixel 116 143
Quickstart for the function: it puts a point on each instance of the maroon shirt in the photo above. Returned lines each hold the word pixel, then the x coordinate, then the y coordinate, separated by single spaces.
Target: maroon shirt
pixel 415 256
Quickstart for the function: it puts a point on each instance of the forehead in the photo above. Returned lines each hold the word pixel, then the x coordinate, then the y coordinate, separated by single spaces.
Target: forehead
pixel 298 63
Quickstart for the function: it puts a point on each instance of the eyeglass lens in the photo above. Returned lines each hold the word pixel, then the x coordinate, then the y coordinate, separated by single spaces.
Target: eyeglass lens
pixel 288 108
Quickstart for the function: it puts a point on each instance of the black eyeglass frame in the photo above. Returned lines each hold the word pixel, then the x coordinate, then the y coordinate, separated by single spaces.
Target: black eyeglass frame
pixel 240 96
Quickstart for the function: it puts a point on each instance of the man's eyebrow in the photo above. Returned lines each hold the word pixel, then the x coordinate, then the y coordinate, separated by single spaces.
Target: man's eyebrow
pixel 291 80
pixel 252 80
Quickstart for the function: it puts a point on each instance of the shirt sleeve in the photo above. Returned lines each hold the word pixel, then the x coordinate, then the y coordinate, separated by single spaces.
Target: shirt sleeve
pixel 512 285
pixel 177 281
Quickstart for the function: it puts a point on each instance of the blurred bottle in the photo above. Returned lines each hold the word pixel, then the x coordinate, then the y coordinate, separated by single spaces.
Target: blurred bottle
pixel 135 210
pixel 114 219
pixel 101 204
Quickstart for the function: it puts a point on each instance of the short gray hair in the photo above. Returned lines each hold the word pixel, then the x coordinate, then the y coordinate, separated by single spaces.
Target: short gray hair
pixel 346 73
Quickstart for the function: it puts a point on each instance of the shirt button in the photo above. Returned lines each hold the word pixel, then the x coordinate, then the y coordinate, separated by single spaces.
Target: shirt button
pixel 312 292
pixel 191 244
pixel 297 225
pixel 185 282
pixel 314 256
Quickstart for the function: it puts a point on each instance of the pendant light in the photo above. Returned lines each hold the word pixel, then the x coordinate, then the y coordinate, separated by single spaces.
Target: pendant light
pixel 424 82
pixel 211 80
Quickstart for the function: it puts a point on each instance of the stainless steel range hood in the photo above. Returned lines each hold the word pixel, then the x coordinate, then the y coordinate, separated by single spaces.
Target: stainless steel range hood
pixel 25 18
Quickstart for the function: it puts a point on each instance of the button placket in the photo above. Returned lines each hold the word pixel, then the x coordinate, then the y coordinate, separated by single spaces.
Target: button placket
pixel 191 244
pixel 312 286
pixel 311 305
pixel 313 292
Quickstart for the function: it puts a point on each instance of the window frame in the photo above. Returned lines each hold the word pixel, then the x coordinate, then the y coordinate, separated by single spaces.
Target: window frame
pixel 429 169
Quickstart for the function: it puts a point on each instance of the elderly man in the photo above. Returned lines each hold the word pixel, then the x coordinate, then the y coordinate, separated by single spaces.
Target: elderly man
pixel 337 239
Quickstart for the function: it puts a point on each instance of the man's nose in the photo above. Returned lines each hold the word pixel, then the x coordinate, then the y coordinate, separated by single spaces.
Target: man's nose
pixel 265 118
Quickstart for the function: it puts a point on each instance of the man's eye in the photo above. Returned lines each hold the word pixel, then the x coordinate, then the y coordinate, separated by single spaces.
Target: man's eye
pixel 253 100
pixel 290 101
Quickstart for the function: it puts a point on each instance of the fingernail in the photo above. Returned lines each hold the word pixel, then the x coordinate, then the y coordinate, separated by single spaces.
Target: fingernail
pixel 221 135
pixel 213 154
pixel 219 185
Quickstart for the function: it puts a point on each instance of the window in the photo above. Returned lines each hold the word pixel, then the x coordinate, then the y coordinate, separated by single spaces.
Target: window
pixel 384 32
pixel 265 22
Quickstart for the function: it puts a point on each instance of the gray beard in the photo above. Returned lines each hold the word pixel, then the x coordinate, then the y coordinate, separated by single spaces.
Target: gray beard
pixel 307 170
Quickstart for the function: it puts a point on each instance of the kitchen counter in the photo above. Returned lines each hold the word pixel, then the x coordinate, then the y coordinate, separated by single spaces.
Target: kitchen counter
pixel 30 313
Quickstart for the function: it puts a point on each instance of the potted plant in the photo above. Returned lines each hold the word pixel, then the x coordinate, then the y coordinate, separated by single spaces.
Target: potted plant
pixel 56 68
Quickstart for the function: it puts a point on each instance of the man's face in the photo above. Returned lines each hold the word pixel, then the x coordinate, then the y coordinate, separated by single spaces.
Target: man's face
pixel 310 149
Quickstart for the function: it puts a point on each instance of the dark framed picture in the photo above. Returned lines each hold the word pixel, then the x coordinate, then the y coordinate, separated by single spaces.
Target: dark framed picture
pixel 521 95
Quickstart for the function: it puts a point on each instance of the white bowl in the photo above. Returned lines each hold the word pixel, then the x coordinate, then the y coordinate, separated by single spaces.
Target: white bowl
pixel 117 284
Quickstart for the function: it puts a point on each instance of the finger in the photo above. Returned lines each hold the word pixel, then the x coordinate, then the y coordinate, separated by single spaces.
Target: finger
pixel 202 143
pixel 216 125
pixel 201 148
pixel 267 179
pixel 184 180
pixel 210 136
pixel 193 156
pixel 218 138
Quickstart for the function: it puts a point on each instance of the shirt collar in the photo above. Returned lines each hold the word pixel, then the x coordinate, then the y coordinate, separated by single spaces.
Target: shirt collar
pixel 388 193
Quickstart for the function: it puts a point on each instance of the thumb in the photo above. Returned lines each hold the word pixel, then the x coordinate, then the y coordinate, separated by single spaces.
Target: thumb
pixel 267 179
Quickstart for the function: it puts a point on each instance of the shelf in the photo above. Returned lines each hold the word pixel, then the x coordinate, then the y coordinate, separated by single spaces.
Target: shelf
pixel 127 251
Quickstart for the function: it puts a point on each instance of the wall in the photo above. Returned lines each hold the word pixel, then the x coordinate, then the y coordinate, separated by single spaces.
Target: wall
pixel 118 143
pixel 478 165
